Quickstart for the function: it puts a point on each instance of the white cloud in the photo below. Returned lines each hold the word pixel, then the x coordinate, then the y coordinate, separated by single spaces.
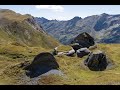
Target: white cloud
pixel 56 8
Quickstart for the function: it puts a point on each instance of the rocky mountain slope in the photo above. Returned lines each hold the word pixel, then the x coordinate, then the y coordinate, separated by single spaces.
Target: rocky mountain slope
pixel 104 28
pixel 23 29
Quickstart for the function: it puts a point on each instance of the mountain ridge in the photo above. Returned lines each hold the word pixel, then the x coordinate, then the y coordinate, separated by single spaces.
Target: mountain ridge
pixel 23 29
pixel 101 27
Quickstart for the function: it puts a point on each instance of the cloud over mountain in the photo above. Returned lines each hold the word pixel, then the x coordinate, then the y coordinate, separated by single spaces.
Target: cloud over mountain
pixel 56 8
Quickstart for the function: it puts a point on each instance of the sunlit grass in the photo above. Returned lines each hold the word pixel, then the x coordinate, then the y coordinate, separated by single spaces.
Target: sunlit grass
pixel 73 68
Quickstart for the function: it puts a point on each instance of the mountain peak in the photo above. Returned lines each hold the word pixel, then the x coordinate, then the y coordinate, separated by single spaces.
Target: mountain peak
pixel 6 11
pixel 104 14
pixel 44 18
pixel 41 19
pixel 76 18
pixel 29 15
pixel 11 15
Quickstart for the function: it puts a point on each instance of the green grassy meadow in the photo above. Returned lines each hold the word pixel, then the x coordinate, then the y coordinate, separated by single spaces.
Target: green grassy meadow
pixel 75 73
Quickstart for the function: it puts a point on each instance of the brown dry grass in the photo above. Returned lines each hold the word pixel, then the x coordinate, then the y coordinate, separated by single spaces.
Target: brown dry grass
pixel 73 68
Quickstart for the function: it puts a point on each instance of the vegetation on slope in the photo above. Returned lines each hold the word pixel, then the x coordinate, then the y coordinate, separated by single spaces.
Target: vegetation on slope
pixel 75 73
pixel 78 74
pixel 21 39
pixel 23 29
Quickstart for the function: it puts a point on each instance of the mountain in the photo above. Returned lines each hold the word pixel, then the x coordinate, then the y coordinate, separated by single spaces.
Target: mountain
pixel 62 30
pixel 104 28
pixel 23 29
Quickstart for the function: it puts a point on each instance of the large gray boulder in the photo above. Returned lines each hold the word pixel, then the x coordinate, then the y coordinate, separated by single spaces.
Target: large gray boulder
pixel 96 61
pixel 42 63
pixel 82 52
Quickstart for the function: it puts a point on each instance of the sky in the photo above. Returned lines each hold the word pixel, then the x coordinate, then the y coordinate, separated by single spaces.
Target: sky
pixel 63 12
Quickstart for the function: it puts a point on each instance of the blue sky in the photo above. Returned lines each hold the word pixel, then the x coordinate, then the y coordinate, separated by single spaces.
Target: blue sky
pixel 63 12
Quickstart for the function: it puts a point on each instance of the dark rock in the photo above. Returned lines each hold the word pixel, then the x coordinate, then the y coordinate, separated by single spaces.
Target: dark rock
pixel 82 52
pixel 84 39
pixel 42 63
pixel 96 61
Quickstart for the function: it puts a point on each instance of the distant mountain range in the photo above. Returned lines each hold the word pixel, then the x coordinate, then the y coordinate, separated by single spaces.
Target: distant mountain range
pixel 23 29
pixel 104 28
pixel 35 31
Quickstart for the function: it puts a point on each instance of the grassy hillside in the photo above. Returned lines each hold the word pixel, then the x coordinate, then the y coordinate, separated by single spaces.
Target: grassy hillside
pixel 78 74
pixel 75 73
pixel 21 39
pixel 11 15
pixel 23 29
pixel 12 55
